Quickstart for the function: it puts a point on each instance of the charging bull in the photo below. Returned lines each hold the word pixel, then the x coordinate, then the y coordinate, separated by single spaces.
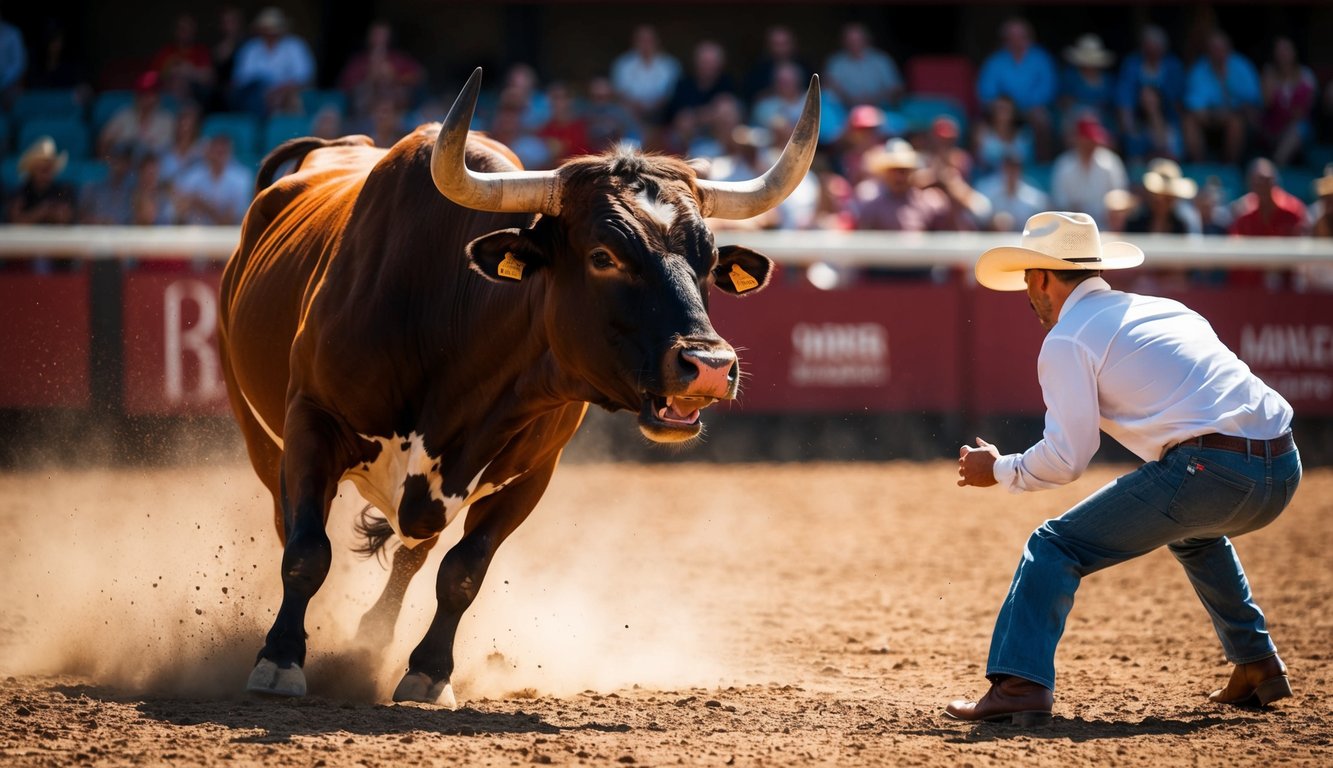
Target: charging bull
pixel 431 322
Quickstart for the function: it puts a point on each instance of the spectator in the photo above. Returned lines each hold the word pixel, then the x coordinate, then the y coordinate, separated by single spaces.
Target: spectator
pixel 143 125
pixel 785 99
pixel 1154 67
pixel 1168 195
pixel 1088 83
pixel 946 170
pixel 507 128
pixel 1000 135
pixel 1152 130
pixel 150 199
pixel 684 131
pixel 706 80
pixel 520 86
pixel 187 146
pixel 271 68
pixel 231 34
pixel 609 122
pixel 328 122
pixel 942 150
pixel 381 71
pixel 54 65
pixel 107 201
pixel 215 191
pixel 738 160
pixel 859 73
pixel 13 61
pixel 1012 199
pixel 1214 217
pixel 41 197
pixel 719 119
pixel 1268 210
pixel 566 132
pixel 1289 92
pixel 1088 170
pixel 184 66
pixel 385 123
pixel 779 51
pixel 645 76
pixel 889 200
pixel 1120 205
pixel 800 209
pixel 1222 98
pixel 1024 72
pixel 864 134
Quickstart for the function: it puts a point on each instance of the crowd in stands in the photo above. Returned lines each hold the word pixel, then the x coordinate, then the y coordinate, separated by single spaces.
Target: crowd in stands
pixel 1141 139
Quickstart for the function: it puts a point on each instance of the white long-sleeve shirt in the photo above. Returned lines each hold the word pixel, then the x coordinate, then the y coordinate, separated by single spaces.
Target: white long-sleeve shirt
pixel 1147 371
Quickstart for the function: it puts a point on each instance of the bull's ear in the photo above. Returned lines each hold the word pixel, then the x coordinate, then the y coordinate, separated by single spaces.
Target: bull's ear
pixel 506 256
pixel 741 271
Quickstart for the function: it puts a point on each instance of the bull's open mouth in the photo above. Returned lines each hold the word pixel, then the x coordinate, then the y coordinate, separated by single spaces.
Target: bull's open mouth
pixel 670 419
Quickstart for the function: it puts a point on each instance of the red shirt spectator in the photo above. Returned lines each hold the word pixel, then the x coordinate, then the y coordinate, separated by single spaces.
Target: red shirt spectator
pixel 184 66
pixel 1268 210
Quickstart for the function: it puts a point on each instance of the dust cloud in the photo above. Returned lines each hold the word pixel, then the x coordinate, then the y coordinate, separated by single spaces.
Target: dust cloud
pixel 164 582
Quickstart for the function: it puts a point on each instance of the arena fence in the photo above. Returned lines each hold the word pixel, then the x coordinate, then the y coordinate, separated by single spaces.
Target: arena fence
pixel 122 321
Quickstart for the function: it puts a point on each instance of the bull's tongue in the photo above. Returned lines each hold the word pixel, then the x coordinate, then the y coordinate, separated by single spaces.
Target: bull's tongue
pixel 683 409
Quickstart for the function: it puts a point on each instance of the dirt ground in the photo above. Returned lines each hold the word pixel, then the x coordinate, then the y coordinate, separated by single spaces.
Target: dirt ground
pixel 783 615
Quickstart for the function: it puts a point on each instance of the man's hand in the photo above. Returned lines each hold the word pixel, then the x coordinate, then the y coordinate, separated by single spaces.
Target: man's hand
pixel 976 466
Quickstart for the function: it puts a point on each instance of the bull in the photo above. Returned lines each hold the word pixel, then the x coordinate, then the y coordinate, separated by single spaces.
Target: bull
pixel 439 350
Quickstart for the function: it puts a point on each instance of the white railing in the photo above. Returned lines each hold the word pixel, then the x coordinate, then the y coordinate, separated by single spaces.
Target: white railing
pixel 886 249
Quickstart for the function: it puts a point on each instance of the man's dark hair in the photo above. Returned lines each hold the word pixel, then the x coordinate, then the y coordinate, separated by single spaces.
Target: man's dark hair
pixel 1074 276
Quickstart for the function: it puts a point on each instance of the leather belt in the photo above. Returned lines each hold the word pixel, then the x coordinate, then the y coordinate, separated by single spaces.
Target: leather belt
pixel 1278 446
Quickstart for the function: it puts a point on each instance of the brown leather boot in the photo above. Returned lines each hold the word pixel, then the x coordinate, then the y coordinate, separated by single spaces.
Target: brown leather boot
pixel 1256 684
pixel 1010 700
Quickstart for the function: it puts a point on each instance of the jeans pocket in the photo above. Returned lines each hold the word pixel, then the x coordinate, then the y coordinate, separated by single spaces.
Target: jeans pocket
pixel 1209 495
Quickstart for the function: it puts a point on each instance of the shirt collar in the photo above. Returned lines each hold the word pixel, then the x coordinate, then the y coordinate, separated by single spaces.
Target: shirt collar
pixel 1081 290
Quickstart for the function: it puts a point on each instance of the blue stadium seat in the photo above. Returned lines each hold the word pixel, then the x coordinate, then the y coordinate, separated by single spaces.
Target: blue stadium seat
pixel 283 127
pixel 1319 155
pixel 1299 181
pixel 70 134
pixel 313 100
pixel 46 102
pixel 1039 176
pixel 242 127
pixel 106 104
pixel 82 172
pixel 921 111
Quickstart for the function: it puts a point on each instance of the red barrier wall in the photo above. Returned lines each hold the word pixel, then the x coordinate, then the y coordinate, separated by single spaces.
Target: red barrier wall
pixel 172 366
pixel 44 341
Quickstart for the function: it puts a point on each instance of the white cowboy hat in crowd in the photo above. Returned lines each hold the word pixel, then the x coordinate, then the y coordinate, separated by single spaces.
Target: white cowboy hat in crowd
pixel 1053 240
pixel 44 148
pixel 1164 177
pixel 896 153
pixel 1088 51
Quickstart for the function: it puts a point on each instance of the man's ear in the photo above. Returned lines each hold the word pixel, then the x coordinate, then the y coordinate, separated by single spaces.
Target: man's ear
pixel 741 271
pixel 506 256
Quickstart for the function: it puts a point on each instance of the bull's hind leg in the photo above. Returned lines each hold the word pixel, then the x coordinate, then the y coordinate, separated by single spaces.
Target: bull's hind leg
pixel 377 624
pixel 489 523
pixel 312 462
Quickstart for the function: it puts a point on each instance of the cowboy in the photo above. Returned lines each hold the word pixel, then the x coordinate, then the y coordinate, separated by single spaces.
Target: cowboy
pixel 1216 441
pixel 1168 195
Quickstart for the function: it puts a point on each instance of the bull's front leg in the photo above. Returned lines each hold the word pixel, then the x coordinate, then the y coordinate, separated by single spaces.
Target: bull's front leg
pixel 489 523
pixel 310 472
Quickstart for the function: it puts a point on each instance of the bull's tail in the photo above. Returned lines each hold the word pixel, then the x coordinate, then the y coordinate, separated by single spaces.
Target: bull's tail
pixel 375 533
pixel 297 149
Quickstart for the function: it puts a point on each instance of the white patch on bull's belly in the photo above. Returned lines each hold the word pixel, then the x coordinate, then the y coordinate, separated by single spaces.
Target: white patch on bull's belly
pixel 381 482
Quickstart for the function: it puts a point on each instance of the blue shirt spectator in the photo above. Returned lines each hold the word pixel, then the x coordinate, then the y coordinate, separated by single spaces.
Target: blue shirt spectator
pixel 1223 79
pixel 1088 82
pixel 1152 66
pixel 13 57
pixel 861 74
pixel 215 191
pixel 272 67
pixel 1021 70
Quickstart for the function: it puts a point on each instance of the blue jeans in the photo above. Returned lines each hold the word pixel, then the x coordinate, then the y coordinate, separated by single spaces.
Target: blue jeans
pixel 1190 501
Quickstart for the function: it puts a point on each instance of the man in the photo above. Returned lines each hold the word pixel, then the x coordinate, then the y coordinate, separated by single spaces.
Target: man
pixel 1011 197
pixel 645 76
pixel 1220 461
pixel 272 68
pixel 859 73
pixel 216 191
pixel 1088 170
pixel 1268 210
pixel 1223 95
pixel 1025 73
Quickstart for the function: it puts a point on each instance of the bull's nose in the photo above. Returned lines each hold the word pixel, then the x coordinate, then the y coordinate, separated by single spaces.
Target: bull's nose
pixel 710 372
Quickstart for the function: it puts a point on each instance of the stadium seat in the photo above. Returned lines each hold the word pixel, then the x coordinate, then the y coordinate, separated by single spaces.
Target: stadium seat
pixel 242 127
pixel 1229 176
pixel 283 127
pixel 1039 176
pixel 314 100
pixel 47 103
pixel 921 111
pixel 954 77
pixel 1319 155
pixel 70 134
pixel 1299 181
pixel 83 172
pixel 106 104
pixel 6 135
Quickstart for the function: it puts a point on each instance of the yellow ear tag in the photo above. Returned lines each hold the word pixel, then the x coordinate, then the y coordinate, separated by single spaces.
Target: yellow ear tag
pixel 743 280
pixel 510 267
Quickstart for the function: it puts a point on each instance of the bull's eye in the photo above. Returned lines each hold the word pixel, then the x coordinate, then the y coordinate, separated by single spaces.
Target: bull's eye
pixel 602 259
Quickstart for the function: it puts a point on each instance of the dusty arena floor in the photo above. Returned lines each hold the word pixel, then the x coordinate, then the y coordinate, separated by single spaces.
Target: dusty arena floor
pixel 701 615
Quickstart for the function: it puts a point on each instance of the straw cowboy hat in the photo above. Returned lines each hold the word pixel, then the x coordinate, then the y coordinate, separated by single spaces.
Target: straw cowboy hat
pixel 1053 240
pixel 896 153
pixel 44 148
pixel 1088 51
pixel 1164 177
pixel 1324 184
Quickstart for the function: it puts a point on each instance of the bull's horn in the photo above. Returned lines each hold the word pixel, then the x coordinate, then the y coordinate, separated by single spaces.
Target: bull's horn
pixel 743 199
pixel 515 191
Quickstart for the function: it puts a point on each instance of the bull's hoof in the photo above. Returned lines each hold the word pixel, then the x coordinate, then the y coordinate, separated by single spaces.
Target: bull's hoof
pixel 417 686
pixel 270 679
